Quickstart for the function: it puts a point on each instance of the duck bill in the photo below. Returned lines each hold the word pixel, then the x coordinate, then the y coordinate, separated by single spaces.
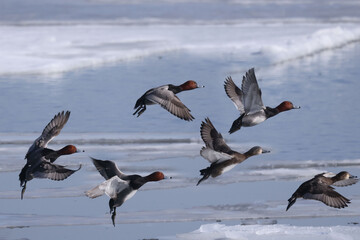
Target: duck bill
pixel 296 107
pixel 79 150
pixel 265 151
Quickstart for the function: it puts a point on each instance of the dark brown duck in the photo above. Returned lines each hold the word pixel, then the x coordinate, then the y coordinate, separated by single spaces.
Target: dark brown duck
pixel 318 188
pixel 219 154
pixel 40 159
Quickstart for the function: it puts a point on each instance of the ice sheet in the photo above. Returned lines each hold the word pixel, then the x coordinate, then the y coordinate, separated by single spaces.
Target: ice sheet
pixel 58 48
pixel 268 232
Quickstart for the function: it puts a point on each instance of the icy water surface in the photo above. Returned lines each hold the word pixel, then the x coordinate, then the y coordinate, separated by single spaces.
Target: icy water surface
pixel 98 66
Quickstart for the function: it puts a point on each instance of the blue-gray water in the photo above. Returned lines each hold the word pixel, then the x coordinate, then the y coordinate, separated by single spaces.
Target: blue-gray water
pixel 321 136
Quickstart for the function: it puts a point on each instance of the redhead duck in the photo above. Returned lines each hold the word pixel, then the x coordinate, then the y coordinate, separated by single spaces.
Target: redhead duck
pixel 318 188
pixel 248 101
pixel 40 159
pixel 166 96
pixel 118 186
pixel 219 154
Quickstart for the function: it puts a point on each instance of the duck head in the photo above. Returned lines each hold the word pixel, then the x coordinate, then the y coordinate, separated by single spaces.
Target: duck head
pixel 189 85
pixel 286 106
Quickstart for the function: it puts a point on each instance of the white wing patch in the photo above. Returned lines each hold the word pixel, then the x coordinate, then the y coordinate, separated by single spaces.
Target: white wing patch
pixel 214 156
pixel 110 187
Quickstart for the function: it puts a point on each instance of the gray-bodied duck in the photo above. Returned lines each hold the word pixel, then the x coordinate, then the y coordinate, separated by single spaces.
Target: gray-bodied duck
pixel 118 186
pixel 166 96
pixel 249 103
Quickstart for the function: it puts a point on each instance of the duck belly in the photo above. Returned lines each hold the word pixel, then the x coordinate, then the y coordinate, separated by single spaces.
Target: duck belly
pixel 228 168
pixel 253 119
pixel 130 195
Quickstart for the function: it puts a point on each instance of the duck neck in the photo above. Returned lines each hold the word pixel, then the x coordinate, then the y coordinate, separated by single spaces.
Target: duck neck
pixel 336 178
pixel 247 154
pixel 270 112
pixel 175 89
pixel 50 154
pixel 240 157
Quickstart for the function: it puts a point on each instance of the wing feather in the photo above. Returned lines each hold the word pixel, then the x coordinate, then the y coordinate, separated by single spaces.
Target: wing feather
pixel 53 171
pixel 51 130
pixel 327 195
pixel 345 182
pixel 234 93
pixel 212 138
pixel 169 101
pixel 107 169
pixel 251 92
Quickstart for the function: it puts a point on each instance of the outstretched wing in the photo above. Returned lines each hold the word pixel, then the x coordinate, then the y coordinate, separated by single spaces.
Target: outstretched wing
pixel 50 131
pixel 334 200
pixel 345 182
pixel 110 187
pixel 327 195
pixel 251 93
pixel 169 101
pixel 53 171
pixel 235 94
pixel 107 169
pixel 212 138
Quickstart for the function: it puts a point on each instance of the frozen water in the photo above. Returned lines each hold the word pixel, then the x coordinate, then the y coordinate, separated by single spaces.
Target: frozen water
pixel 56 48
pixel 96 58
pixel 221 231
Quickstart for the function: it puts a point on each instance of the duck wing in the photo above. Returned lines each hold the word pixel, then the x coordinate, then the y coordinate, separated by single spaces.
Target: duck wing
pixel 345 182
pixel 51 130
pixel 107 169
pixel 327 195
pixel 169 101
pixel 214 156
pixel 110 187
pixel 212 138
pixel 251 92
pixel 235 94
pixel 53 171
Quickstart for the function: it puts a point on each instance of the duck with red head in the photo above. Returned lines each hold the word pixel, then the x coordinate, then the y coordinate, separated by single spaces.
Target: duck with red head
pixel 40 158
pixel 118 186
pixel 249 103
pixel 166 96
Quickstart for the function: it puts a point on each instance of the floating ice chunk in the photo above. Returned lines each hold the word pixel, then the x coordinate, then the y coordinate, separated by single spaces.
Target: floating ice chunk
pixel 271 232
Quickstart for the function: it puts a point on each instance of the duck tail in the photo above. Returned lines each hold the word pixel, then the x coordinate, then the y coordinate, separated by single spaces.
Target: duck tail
pixel 205 173
pixel 111 205
pixel 236 124
pixel 22 175
pixel 291 200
